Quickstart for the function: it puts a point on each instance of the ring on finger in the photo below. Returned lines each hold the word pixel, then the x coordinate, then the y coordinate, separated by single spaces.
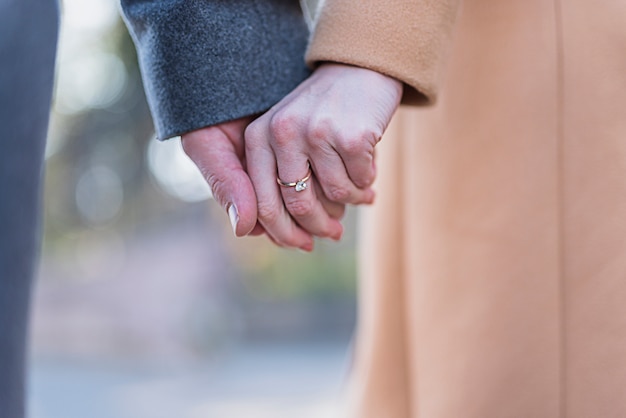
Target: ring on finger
pixel 299 185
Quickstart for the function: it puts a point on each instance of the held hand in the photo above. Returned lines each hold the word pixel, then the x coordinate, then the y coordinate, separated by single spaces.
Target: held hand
pixel 219 153
pixel 332 121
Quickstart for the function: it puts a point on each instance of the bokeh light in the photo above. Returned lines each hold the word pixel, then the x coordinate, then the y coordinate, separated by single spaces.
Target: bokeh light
pixel 146 305
pixel 93 16
pixel 99 194
pixel 93 79
pixel 175 173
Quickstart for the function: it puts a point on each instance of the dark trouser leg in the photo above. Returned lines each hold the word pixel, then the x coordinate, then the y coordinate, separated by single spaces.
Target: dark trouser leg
pixel 28 35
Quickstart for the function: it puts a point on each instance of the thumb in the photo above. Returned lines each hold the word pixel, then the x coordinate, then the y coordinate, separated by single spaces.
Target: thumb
pixel 216 157
pixel 233 190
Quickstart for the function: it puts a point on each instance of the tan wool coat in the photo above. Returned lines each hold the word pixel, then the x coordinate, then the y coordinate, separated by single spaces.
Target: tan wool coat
pixel 493 265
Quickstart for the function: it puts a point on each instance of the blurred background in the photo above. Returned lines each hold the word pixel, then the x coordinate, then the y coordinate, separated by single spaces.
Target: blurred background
pixel 146 305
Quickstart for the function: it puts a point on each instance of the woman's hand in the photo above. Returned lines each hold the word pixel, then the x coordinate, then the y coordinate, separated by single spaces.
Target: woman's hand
pixel 219 153
pixel 332 121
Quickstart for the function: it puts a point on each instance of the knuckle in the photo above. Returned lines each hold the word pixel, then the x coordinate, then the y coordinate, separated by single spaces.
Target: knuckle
pixel 267 212
pixel 283 126
pixel 318 134
pixel 320 130
pixel 354 145
pixel 364 180
pixel 338 194
pixel 369 180
pixel 299 207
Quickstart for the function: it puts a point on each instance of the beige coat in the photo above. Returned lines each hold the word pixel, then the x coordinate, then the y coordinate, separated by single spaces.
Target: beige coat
pixel 493 268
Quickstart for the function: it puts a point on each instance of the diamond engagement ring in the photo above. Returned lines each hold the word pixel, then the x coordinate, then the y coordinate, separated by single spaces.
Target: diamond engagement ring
pixel 300 185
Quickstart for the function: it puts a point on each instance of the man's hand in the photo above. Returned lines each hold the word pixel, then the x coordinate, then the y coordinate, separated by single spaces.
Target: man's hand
pixel 219 153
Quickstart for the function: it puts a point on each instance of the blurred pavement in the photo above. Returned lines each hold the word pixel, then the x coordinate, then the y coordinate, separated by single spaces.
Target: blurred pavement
pixel 256 382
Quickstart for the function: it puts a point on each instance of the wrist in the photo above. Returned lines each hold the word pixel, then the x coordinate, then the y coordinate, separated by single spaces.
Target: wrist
pixel 369 77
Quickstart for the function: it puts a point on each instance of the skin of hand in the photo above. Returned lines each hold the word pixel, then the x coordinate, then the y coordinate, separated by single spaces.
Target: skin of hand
pixel 333 120
pixel 219 153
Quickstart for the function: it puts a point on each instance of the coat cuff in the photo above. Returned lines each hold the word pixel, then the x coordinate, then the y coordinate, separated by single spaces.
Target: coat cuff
pixel 204 63
pixel 404 39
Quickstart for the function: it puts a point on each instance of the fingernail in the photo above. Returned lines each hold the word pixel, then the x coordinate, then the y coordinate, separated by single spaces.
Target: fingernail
pixel 233 215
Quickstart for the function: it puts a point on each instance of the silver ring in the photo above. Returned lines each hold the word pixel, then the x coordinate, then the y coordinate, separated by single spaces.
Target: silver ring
pixel 300 185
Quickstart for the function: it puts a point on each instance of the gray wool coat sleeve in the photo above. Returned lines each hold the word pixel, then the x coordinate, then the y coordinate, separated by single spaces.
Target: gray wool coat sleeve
pixel 209 61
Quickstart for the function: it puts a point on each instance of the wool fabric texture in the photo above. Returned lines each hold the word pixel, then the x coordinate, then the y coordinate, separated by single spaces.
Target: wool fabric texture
pixel 207 62
pixel 28 36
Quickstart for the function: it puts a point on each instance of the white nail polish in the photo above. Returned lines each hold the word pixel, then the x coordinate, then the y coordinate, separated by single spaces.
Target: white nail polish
pixel 234 217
